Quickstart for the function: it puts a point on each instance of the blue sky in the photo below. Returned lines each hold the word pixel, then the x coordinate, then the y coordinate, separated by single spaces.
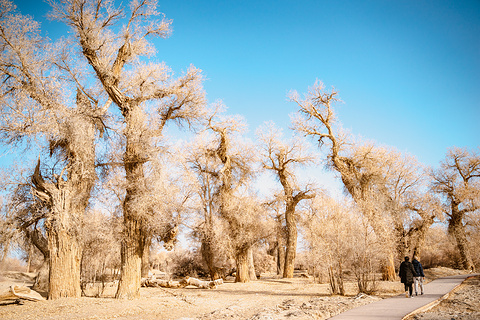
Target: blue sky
pixel 407 71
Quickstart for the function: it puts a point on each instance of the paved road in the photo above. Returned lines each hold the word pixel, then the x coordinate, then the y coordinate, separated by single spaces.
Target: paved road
pixel 398 307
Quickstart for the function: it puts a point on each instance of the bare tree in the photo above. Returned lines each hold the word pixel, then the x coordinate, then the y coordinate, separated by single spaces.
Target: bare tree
pixel 228 167
pixel 146 95
pixel 282 158
pixel 458 182
pixel 427 208
pixel 358 169
pixel 338 240
pixel 42 99
pixel 208 229
pixel 404 186
pixel 240 213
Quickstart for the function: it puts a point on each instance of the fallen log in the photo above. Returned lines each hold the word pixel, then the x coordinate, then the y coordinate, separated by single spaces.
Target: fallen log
pixel 160 283
pixel 22 292
pixel 187 281
pixel 200 283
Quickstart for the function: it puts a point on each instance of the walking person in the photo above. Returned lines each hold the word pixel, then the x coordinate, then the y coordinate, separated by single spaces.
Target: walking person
pixel 407 273
pixel 420 275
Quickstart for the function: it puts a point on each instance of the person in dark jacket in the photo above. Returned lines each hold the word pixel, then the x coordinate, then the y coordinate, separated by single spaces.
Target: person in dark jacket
pixel 420 275
pixel 407 272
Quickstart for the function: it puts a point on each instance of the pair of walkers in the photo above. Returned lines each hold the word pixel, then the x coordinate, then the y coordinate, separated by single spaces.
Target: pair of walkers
pixel 410 273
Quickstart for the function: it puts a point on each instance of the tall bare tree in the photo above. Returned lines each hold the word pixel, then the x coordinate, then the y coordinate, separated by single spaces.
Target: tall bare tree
pixel 236 169
pixel 203 169
pixel 404 186
pixel 358 166
pixel 146 94
pixel 43 98
pixel 282 158
pixel 228 169
pixel 458 182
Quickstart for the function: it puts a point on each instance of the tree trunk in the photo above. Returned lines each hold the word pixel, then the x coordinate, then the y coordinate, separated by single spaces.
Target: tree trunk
pixel 291 248
pixel 280 259
pixel 280 247
pixel 457 229
pixel 146 257
pixel 68 200
pixel 131 257
pixel 208 254
pixel 388 269
pixel 241 259
pixel 401 238
pixel 64 275
pixel 133 242
pixel 29 259
pixel 251 265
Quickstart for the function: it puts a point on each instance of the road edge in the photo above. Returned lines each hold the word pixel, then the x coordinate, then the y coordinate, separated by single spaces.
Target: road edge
pixel 436 302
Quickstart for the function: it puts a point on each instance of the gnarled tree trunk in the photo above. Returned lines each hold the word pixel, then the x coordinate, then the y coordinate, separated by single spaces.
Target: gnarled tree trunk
pixel 133 242
pixel 457 229
pixel 241 259
pixel 67 199
pixel 131 258
pixel 208 255
pixel 291 247
pixel 64 275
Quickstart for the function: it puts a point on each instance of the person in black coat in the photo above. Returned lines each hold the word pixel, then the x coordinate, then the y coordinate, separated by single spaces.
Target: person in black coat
pixel 407 273
pixel 420 275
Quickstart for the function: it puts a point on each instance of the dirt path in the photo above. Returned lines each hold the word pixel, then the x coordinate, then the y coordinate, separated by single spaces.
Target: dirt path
pixel 463 304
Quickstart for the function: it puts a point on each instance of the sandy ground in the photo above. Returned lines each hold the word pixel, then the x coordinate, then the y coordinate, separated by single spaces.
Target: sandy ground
pixel 267 298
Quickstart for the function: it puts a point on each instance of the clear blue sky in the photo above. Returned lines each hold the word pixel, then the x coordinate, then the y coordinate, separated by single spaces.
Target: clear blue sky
pixel 407 71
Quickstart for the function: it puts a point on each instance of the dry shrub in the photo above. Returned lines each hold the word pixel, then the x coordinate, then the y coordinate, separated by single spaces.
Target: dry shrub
pixel 439 249
pixel 188 263
pixel 340 244
pixel 264 263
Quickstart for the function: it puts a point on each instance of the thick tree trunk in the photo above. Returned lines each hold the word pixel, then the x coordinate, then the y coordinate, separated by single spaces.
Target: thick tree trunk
pixel 133 242
pixel 251 265
pixel 388 269
pixel 64 275
pixel 131 257
pixel 291 248
pixel 146 257
pixel 208 255
pixel 457 229
pixel 68 200
pixel 241 260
